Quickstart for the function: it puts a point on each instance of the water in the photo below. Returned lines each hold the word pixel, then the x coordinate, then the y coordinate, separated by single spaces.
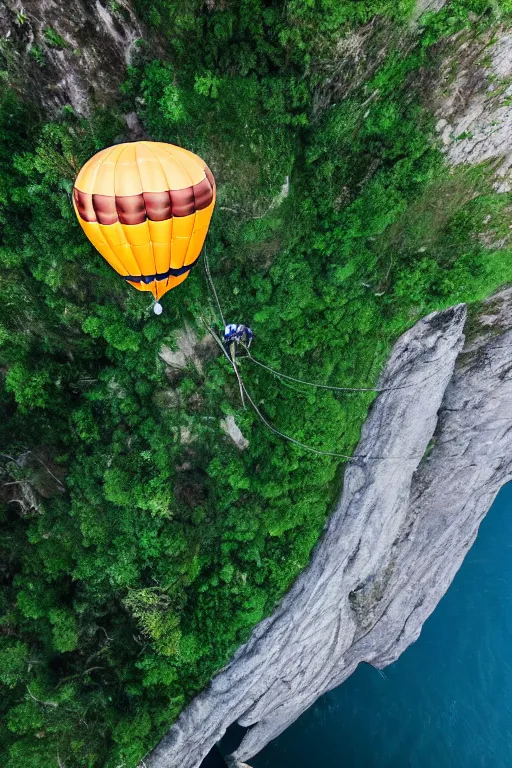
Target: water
pixel 447 702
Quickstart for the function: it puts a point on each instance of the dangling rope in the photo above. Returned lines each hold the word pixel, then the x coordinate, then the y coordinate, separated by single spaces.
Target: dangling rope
pixel 292 439
pixel 308 383
pixel 211 283
pixel 344 456
pixel 315 384
pixel 328 386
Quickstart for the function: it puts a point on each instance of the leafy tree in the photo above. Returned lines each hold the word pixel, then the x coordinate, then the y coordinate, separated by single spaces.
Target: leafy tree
pixel 138 546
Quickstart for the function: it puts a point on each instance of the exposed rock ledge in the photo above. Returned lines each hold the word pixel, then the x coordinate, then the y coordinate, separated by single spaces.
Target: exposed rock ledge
pixel 473 102
pixel 68 52
pixel 393 544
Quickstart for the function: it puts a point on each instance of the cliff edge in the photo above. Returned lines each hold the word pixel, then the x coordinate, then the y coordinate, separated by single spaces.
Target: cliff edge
pixel 434 452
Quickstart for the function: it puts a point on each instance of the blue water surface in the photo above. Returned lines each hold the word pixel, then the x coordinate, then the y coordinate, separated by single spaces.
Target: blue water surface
pixel 447 702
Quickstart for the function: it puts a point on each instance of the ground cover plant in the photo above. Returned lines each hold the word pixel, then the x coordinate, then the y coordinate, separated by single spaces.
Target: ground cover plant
pixel 139 546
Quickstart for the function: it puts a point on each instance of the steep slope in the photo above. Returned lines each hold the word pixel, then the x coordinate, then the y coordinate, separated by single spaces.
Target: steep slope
pixel 393 544
pixel 68 53
pixel 163 540
pixel 472 101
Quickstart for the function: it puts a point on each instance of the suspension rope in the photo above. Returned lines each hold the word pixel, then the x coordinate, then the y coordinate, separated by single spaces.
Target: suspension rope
pixel 317 451
pixel 282 375
pixel 328 386
pixel 308 383
pixel 294 441
pixel 212 285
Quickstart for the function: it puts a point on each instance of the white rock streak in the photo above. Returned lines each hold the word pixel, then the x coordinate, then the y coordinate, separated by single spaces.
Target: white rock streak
pixel 233 431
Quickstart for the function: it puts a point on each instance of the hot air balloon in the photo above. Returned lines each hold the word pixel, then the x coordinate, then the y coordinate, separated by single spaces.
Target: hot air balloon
pixel 146 207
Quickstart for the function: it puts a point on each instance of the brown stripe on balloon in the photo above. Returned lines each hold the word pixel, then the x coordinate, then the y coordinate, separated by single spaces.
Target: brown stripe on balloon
pixel 131 209
pixel 155 206
pixel 210 177
pixel 84 205
pixel 105 208
pixel 158 205
pixel 182 201
pixel 203 194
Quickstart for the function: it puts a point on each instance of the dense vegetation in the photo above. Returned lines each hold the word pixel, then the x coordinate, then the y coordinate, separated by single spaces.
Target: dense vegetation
pixel 138 545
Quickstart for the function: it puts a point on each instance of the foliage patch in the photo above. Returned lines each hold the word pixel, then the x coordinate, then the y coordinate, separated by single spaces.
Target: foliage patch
pixel 125 591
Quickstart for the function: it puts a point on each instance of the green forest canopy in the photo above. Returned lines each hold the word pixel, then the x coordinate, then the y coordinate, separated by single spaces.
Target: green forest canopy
pixel 134 562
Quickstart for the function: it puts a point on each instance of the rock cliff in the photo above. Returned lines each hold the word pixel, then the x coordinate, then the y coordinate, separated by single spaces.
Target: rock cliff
pixel 73 53
pixel 473 102
pixel 433 453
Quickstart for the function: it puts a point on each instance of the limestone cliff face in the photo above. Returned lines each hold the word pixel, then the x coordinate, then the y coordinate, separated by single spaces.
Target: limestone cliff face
pixel 67 53
pixel 473 102
pixel 433 454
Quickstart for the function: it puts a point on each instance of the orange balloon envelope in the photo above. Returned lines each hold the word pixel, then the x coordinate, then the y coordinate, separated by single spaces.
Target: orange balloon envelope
pixel 146 207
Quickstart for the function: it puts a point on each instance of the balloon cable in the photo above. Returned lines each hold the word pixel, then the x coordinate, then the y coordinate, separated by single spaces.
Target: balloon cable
pixel 328 386
pixel 317 451
pixel 293 378
pixel 211 283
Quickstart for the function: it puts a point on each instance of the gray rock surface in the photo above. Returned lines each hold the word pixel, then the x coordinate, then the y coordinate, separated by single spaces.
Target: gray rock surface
pixel 406 518
pixel 68 52
pixel 475 107
pixel 427 6
pixel 189 350
pixel 233 431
